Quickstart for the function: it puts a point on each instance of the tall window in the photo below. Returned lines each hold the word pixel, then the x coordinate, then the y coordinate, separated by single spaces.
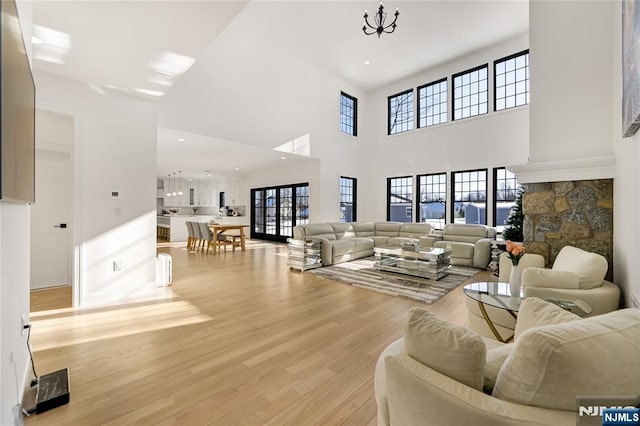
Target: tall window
pixel 432 199
pixel 512 81
pixel 348 114
pixel 400 199
pixel 348 196
pixel 505 187
pixel 469 190
pixel 470 92
pixel 276 210
pixel 400 108
pixel 432 103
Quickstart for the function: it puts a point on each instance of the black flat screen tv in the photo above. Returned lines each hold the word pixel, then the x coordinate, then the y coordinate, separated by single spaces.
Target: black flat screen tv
pixel 17 118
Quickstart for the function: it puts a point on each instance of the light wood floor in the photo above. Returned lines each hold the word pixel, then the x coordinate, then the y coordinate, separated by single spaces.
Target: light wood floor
pixel 244 341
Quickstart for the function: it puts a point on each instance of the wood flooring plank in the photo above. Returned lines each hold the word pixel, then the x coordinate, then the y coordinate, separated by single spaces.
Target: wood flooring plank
pixel 245 340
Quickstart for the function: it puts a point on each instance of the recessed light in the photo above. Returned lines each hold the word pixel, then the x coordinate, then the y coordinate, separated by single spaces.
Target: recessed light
pixel 180 139
pixel 189 180
pixel 367 62
pixel 283 158
pixel 236 168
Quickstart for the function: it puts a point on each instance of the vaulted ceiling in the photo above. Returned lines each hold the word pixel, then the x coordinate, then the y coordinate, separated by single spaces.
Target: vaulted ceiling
pixel 146 48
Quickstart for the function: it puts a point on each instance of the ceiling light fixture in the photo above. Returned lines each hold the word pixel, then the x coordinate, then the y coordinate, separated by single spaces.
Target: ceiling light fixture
pixel 169 186
pixel 180 178
pixel 379 19
pixel 174 193
pixel 180 139
pixel 367 62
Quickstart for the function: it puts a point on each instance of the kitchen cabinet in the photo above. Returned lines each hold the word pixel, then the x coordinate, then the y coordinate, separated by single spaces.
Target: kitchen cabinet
pixel 206 194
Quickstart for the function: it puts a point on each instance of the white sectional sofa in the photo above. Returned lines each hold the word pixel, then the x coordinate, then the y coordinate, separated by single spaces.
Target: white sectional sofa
pixel 470 244
pixel 345 241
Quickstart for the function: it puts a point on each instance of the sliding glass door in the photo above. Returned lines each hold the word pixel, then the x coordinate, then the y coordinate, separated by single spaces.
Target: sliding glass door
pixel 276 210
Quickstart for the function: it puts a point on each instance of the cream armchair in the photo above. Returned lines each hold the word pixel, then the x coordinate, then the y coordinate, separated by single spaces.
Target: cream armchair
pixel 576 274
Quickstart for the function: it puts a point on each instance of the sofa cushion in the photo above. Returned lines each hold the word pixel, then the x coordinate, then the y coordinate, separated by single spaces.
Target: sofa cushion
pixel 363 244
pixel 495 358
pixel 464 233
pixel 454 351
pixel 387 229
pixel 379 241
pixel 344 246
pixel 342 230
pixel 535 312
pixel 590 267
pixel 550 365
pixel 414 230
pixel 364 229
pixel 320 230
pixel 548 278
pixel 458 249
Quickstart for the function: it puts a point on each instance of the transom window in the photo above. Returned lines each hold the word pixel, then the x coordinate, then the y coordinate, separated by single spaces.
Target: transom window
pixel 432 199
pixel 348 194
pixel 400 109
pixel 348 114
pixel 432 103
pixel 505 186
pixel 512 81
pixel 469 191
pixel 470 93
pixel 400 199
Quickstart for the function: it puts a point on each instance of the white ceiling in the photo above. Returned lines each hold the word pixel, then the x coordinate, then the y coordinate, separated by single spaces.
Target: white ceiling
pixel 114 43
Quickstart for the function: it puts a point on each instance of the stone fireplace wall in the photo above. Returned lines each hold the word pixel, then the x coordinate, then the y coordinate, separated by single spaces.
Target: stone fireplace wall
pixel 577 213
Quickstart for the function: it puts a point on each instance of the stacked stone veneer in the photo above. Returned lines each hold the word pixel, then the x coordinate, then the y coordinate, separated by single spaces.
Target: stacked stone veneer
pixel 577 213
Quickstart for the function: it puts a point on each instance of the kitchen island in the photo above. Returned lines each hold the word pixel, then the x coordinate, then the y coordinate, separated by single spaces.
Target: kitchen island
pixel 178 228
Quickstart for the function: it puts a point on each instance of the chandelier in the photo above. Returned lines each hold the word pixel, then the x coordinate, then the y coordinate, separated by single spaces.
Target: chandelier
pixel 379 19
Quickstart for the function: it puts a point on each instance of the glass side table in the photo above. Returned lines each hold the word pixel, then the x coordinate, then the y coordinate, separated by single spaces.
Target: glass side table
pixel 498 295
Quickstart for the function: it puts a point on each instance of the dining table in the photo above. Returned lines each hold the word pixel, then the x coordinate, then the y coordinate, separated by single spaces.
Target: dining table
pixel 219 229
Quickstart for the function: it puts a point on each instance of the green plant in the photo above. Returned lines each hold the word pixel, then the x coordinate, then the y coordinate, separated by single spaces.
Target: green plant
pixel 513 229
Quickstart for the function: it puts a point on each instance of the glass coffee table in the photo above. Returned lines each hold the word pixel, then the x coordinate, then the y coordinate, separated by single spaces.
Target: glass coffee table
pixel 498 295
pixel 432 264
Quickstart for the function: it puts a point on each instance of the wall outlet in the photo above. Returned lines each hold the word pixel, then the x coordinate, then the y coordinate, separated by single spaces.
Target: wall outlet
pixel 117 265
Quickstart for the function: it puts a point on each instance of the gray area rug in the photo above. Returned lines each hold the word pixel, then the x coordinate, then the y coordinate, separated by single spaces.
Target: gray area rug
pixel 361 273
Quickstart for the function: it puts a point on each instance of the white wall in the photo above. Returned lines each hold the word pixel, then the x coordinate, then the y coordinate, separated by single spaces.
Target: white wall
pixel 491 140
pixel 571 86
pixel 115 149
pixel 14 283
pixel 626 184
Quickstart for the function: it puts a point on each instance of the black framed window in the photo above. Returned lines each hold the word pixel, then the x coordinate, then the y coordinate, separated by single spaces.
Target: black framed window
pixel 469 196
pixel 511 81
pixel 348 114
pixel 470 92
pixel 400 111
pixel 276 210
pixel 432 103
pixel 505 189
pixel 400 199
pixel 348 197
pixel 432 199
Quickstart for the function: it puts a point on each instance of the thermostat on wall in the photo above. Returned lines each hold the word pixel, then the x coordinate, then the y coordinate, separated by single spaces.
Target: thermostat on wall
pixel 115 194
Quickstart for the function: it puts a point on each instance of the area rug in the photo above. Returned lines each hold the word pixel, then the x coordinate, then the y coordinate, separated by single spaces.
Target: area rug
pixel 361 273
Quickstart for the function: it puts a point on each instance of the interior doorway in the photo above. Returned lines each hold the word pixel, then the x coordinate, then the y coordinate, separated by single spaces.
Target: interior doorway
pixel 52 212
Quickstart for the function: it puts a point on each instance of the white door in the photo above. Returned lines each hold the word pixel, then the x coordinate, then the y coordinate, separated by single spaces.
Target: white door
pixel 52 211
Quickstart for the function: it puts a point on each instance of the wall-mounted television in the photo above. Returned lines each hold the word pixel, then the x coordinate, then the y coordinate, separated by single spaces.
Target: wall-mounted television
pixel 17 108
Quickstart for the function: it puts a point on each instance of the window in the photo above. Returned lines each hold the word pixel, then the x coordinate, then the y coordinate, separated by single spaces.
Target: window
pixel 432 103
pixel 432 199
pixel 470 93
pixel 512 81
pixel 469 190
pixel 348 114
pixel 348 196
pixel 272 211
pixel 505 187
pixel 400 107
pixel 400 199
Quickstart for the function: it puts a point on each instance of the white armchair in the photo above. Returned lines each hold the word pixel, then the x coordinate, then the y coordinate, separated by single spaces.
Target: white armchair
pixel 576 274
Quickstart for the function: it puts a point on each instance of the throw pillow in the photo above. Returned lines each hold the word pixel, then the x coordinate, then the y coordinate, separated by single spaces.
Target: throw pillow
pixel 454 351
pixel 550 365
pixel 535 312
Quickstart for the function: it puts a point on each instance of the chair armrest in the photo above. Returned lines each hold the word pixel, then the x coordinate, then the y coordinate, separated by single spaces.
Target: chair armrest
pixel 327 250
pixel 602 299
pixel 482 253
pixel 427 241
pixel 418 394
